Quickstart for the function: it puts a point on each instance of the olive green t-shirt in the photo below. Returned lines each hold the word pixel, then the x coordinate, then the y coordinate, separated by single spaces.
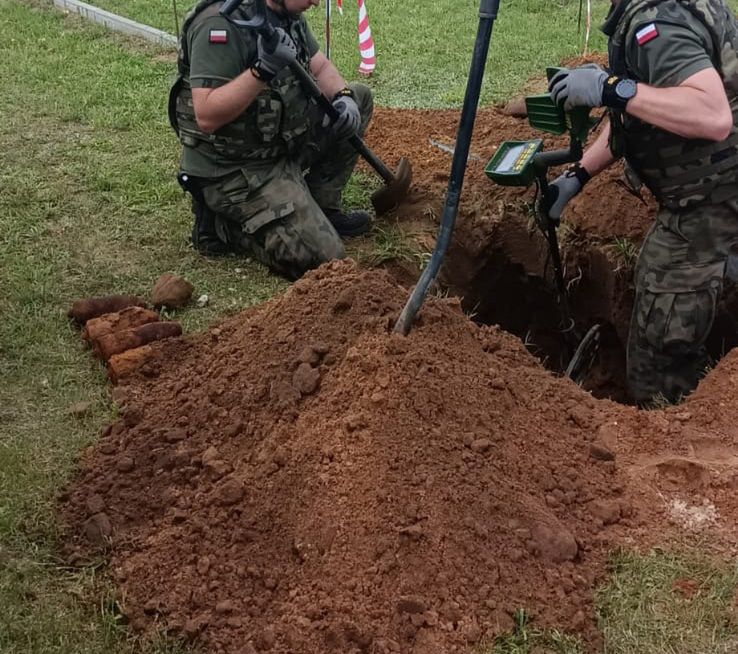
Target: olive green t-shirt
pixel 219 52
pixel 666 50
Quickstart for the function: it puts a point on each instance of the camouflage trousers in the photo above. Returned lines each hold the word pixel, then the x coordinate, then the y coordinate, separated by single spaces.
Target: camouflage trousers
pixel 276 214
pixel 679 279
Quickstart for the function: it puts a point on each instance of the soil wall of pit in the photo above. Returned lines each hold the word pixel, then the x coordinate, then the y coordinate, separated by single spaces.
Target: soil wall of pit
pixel 498 262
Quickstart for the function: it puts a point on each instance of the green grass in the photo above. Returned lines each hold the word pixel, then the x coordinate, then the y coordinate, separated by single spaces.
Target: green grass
pixel 626 252
pixel 89 206
pixel 655 603
pixel 424 48
pixel 390 243
pixel 644 607
pixel 527 639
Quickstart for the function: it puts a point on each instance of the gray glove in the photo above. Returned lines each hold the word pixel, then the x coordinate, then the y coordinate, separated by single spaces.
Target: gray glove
pixel 274 54
pixel 349 119
pixel 564 188
pixel 578 87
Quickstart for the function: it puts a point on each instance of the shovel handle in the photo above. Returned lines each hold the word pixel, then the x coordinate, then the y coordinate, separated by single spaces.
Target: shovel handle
pixel 261 24
pixel 325 104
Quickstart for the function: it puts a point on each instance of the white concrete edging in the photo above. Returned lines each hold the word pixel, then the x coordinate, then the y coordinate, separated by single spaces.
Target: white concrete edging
pixel 117 23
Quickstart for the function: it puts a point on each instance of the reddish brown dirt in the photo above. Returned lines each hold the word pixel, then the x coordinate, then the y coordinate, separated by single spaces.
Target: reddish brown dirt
pixel 498 260
pixel 603 211
pixel 297 479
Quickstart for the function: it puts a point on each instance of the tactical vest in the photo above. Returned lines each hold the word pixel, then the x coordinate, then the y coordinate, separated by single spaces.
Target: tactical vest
pixel 679 172
pixel 275 124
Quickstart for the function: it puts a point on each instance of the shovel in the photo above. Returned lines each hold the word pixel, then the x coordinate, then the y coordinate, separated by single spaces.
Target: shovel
pixel 487 15
pixel 396 184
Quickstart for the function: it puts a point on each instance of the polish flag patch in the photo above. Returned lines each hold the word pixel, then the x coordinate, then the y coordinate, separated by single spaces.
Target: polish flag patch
pixel 218 36
pixel 646 34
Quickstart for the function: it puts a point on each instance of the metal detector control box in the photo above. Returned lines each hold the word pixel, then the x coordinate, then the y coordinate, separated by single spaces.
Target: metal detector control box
pixel 512 164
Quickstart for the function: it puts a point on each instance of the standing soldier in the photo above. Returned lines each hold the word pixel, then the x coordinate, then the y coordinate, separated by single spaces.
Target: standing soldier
pixel 263 165
pixel 672 96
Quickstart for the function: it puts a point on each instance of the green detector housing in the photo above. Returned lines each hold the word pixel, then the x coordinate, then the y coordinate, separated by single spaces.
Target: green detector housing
pixel 513 163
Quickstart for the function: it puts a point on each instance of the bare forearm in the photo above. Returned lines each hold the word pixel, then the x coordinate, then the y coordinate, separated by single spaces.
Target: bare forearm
pixel 598 155
pixel 688 112
pixel 217 107
pixel 327 76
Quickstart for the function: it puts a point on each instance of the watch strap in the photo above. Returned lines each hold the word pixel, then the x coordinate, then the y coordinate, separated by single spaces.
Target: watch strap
pixel 345 92
pixel 610 97
pixel 259 73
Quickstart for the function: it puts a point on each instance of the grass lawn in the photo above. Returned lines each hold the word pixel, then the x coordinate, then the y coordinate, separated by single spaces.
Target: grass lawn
pixel 90 206
pixel 424 48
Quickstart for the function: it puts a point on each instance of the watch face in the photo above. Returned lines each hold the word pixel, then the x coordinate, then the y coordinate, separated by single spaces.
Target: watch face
pixel 626 89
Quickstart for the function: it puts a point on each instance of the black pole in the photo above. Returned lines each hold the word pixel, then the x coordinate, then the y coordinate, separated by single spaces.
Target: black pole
pixel 543 161
pixel 328 28
pixel 487 14
pixel 261 24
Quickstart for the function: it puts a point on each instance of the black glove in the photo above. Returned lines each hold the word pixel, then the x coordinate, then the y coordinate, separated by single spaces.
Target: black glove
pixel 564 188
pixel 348 122
pixel 274 54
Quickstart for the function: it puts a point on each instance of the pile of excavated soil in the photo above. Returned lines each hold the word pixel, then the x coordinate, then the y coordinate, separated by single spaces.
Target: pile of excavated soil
pixel 298 479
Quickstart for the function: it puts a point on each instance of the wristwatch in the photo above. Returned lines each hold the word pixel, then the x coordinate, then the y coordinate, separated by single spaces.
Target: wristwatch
pixel 626 89
pixel 618 91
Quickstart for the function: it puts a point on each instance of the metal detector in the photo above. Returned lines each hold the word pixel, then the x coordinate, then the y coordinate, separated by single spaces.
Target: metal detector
pixel 520 163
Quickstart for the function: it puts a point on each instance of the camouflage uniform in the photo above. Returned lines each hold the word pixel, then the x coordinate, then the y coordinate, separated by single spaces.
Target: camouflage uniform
pixel 269 175
pixel 681 267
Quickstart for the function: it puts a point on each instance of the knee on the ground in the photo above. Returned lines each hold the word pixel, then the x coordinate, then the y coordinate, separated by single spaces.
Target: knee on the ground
pixel 364 98
pixel 297 245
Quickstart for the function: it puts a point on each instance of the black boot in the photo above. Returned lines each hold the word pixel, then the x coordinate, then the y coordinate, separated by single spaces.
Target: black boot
pixel 350 223
pixel 204 237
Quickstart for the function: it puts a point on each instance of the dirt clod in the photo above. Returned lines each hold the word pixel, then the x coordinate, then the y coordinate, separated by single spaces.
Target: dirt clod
pixel 98 529
pixel 229 492
pixel 95 504
pixel 125 464
pixel 171 291
pixel 601 452
pixel 306 379
pixel 606 510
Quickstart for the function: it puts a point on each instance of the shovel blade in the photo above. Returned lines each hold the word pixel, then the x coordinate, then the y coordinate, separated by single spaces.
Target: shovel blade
pixel 391 194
